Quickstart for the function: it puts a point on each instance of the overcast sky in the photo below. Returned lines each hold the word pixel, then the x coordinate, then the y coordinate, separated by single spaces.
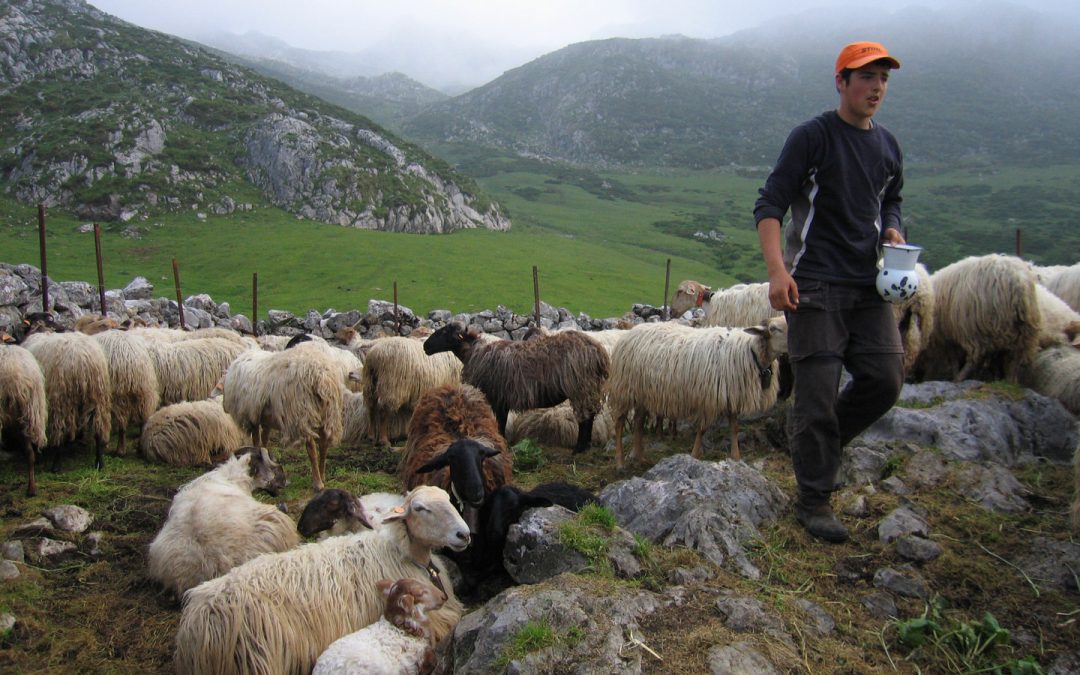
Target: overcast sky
pixel 472 41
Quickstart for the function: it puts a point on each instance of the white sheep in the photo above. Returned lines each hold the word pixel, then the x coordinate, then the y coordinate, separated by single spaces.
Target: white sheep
pixel 278 612
pixel 739 305
pixel 76 387
pixel 1056 373
pixel 1075 519
pixel 399 643
pixel 214 523
pixel 699 374
pixel 1060 323
pixel 557 425
pixel 396 373
pixel 300 392
pixel 188 370
pixel 23 407
pixel 133 381
pixel 1063 281
pixel 191 433
pixel 986 320
pixel 915 318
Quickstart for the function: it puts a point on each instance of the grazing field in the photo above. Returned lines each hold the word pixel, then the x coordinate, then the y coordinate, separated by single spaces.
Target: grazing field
pixel 600 241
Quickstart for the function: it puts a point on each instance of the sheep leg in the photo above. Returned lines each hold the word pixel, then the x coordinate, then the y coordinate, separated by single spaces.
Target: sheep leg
pixel 384 430
pixel 639 429
pixel 316 477
pixel 620 422
pixel 99 451
pixel 31 481
pixel 324 448
pixel 733 422
pixel 121 438
pixel 696 452
pixel 584 434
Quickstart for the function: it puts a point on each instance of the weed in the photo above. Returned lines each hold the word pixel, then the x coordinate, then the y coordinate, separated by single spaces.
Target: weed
pixel 958 645
pixel 601 516
pixel 532 637
pixel 528 455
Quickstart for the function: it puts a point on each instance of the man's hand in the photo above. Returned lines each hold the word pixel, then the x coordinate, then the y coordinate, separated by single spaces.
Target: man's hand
pixel 783 292
pixel 892 235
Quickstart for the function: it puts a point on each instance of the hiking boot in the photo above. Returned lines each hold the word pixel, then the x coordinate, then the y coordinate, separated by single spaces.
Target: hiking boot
pixel 820 522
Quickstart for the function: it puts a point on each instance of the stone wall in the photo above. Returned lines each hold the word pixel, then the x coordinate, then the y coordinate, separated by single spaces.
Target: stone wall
pixel 20 293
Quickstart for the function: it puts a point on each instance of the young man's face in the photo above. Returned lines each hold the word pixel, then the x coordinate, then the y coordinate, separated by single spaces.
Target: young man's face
pixel 862 94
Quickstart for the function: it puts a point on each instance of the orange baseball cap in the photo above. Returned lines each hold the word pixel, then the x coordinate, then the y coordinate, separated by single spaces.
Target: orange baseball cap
pixel 858 54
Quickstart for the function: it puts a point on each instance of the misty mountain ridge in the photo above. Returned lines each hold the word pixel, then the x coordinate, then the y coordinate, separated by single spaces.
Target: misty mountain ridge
pixel 993 82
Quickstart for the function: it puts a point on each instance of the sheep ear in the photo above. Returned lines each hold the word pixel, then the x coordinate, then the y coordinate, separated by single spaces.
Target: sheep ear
pixel 434 464
pixel 356 510
pixel 489 452
pixel 756 331
pixel 397 513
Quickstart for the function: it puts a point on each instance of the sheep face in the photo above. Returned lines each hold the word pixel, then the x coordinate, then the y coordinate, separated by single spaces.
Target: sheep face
pixel 329 506
pixel 453 337
pixel 431 519
pixel 464 457
pixel 776 330
pixel 408 601
pixel 265 472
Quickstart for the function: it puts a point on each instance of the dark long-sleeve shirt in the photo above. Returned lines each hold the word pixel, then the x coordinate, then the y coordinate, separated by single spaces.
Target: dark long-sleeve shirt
pixel 842 185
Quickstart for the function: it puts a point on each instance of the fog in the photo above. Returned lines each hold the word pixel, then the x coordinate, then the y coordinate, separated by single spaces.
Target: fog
pixel 455 45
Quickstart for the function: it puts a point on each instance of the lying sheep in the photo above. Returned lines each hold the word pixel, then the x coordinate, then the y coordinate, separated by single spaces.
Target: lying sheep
pixel 23 407
pixel 557 426
pixel 399 643
pixel 278 612
pixel 699 374
pixel 300 392
pixel 191 433
pixel 214 523
pixel 331 513
pixel 454 443
pixel 1056 373
pixel 740 305
pixel 1075 519
pixel 132 379
pixel 77 388
pixel 986 320
pixel 537 373
pixel 396 373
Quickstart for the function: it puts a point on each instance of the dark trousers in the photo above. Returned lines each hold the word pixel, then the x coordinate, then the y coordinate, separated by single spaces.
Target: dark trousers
pixel 838 327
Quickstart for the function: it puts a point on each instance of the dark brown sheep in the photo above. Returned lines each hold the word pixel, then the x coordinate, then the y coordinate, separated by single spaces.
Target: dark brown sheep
pixel 537 373
pixel 454 443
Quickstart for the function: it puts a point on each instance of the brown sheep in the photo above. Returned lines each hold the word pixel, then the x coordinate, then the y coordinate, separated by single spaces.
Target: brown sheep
pixel 454 443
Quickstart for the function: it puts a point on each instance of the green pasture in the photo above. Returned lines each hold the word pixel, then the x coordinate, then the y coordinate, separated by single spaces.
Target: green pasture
pixel 600 241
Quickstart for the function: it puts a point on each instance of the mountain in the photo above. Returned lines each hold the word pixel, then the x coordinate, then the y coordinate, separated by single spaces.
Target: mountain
pixel 113 121
pixel 991 83
pixel 388 99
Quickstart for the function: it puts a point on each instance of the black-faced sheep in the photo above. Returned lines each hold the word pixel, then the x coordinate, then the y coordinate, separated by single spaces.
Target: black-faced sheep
pixel 537 373
pixel 508 503
pixel 331 513
pixel 214 523
pixel 76 387
pixel 697 374
pixel 191 433
pixel 300 392
pixel 454 443
pixel 133 381
pixel 987 321
pixel 396 374
pixel 399 643
pixel 276 613
pixel 23 407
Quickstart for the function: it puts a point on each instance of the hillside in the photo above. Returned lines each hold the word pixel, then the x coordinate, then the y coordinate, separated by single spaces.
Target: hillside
pixel 112 121
pixel 991 84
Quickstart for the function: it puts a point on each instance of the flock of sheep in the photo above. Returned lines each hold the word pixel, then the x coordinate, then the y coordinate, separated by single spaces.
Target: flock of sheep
pixel 257 600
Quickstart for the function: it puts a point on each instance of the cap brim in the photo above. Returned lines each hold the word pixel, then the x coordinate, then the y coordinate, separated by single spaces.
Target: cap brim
pixel 859 63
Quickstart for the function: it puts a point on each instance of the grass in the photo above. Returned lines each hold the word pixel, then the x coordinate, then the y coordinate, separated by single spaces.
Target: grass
pixel 600 242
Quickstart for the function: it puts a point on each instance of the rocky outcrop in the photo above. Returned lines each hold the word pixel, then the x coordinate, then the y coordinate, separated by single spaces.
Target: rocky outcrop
pixel 150 124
